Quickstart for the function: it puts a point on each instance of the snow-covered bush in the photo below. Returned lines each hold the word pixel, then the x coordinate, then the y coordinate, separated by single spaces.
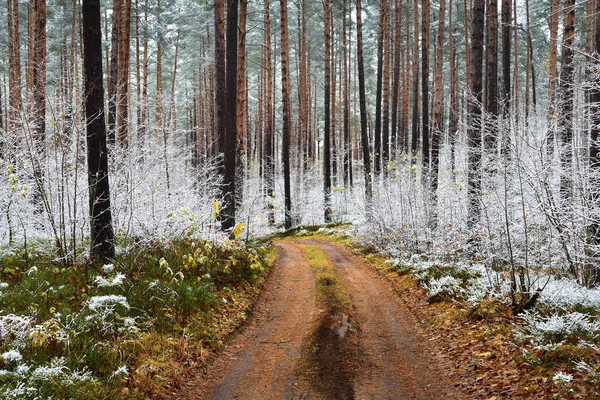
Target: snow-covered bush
pixel 558 327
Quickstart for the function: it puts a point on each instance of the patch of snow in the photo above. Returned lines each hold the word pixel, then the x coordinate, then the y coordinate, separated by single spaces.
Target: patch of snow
pixel 98 302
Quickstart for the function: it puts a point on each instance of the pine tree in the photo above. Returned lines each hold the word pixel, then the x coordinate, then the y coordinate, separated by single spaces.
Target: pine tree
pixel 102 234
pixel 567 97
pixel 327 107
pixel 230 116
pixel 363 109
pixel 286 97
pixel 474 114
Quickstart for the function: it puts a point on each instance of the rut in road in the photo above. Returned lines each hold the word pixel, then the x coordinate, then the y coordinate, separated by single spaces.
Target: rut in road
pixel 293 347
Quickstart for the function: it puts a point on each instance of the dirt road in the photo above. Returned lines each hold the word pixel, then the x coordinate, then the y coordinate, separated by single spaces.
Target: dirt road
pixel 298 347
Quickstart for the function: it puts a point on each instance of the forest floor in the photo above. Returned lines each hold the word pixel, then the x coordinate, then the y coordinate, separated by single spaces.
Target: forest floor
pixel 327 326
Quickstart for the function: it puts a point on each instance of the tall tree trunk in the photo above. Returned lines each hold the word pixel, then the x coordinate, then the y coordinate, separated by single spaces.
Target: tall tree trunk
pixel 415 111
pixel 491 73
pixel 566 91
pixel 39 88
pixel 437 123
pixel 425 44
pixel 333 105
pixel 159 132
pixel 406 96
pixel 327 106
pixel 15 105
pixel 516 76
pixel 114 71
pixel 474 115
pixel 453 120
pixel 241 105
pixel 230 123
pixel 363 110
pixel 172 121
pixel 219 81
pixel 268 137
pixel 385 123
pixel 286 97
pixel 102 234
pixel 396 77
pixel 30 68
pixel 528 64
pixel 593 229
pixel 143 120
pixel 123 72
pixel 506 43
pixel 378 93
pixel 347 144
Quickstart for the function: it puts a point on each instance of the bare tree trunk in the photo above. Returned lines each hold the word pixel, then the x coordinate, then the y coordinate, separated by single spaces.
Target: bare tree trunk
pixel 491 73
pixel 327 106
pixel 230 123
pixel 15 105
pixel 241 105
pixel 415 111
pixel 396 77
pixel 565 121
pixel 378 93
pixel 268 137
pixel 437 123
pixel 102 234
pixel 453 120
pixel 219 79
pixel 593 230
pixel 143 118
pixel 114 71
pixel 425 45
pixel 363 109
pixel 123 73
pixel 172 122
pixel 159 132
pixel 506 43
pixel 474 115
pixel 30 68
pixel 385 123
pixel 347 143
pixel 286 97
pixel 39 97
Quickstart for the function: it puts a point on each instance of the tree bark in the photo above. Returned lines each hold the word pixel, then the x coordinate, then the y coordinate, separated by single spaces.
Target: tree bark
pixel 506 44
pixel 286 97
pixel 15 105
pixel 491 73
pixel 437 123
pixel 363 110
pixel 566 91
pixel 474 115
pixel 425 44
pixel 241 105
pixel 230 122
pixel 593 230
pixel 114 71
pixel 268 126
pixel 123 73
pixel 102 234
pixel 415 111
pixel 396 77
pixel 327 107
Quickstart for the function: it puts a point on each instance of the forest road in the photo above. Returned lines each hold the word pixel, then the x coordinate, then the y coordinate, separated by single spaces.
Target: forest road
pixel 295 346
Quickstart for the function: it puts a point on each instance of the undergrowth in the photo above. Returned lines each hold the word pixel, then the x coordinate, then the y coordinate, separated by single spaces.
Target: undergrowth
pixel 98 331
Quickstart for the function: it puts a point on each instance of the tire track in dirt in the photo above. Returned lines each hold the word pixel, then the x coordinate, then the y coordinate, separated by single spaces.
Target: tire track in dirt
pixel 281 353
pixel 395 361
pixel 260 362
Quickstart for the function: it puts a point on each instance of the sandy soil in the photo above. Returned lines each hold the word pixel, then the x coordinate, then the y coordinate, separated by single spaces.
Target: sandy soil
pixel 293 347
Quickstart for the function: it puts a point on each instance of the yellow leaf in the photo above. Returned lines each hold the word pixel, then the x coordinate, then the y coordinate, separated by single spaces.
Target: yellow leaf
pixel 238 230
pixel 215 208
